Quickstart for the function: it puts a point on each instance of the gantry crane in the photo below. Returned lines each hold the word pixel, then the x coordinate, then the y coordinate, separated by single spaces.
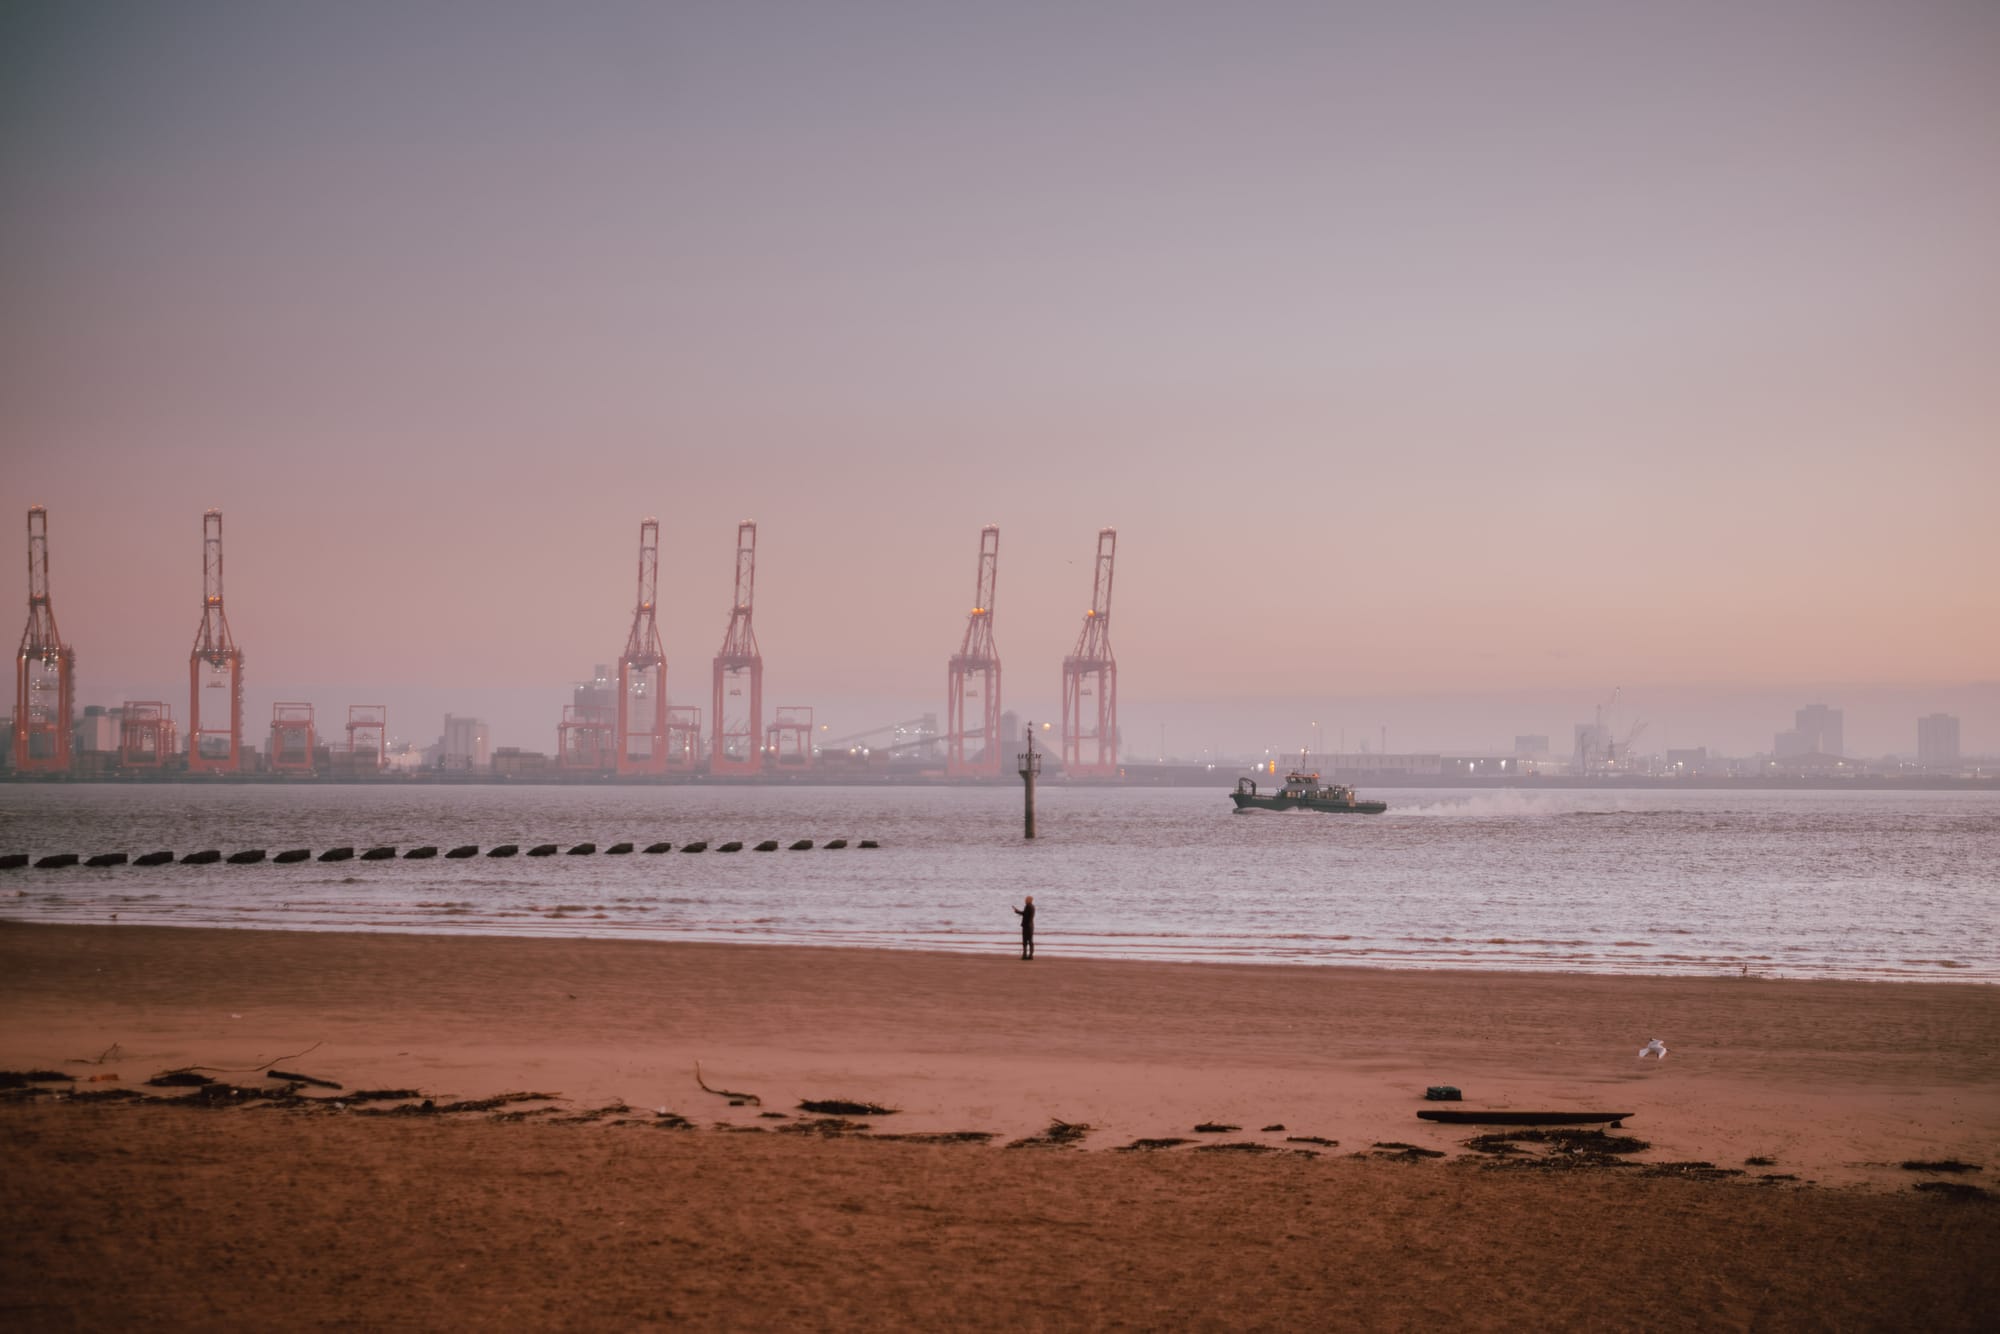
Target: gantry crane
pixel 44 672
pixel 642 671
pixel 975 676
pixel 739 674
pixel 1090 680
pixel 216 664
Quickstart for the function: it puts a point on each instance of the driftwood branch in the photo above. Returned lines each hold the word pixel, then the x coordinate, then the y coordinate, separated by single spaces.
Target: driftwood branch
pixel 750 1098
pixel 250 1069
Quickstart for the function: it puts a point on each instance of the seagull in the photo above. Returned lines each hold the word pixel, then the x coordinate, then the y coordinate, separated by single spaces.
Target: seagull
pixel 1657 1047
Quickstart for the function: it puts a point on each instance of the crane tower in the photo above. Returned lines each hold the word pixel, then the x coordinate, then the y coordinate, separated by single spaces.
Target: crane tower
pixel 215 669
pixel 642 671
pixel 975 678
pixel 1090 680
pixel 45 671
pixel 739 674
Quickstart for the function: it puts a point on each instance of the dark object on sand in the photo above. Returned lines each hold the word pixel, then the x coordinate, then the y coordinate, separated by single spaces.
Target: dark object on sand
pixel 423 854
pixel 302 1079
pixel 1442 1093
pixel 699 845
pixel 1148 1145
pixel 583 850
pixel 290 855
pixel 1320 1140
pixel 179 1079
pixel 842 1107
pixel 1214 1128
pixel 803 845
pixel 1510 1117
pixel 57 860
pixel 108 859
pixel 1400 1152
pixel 768 845
pixel 13 861
pixel 1273 1128
pixel 834 844
pixel 1952 1190
pixel 336 854
pixel 378 854
pixel 160 858
pixel 659 847
pixel 463 851
pixel 1060 1134
pixel 734 845
pixel 867 843
pixel 16 1079
pixel 504 850
pixel 543 850
pixel 1939 1165
pixel 206 857
pixel 247 857
pixel 618 849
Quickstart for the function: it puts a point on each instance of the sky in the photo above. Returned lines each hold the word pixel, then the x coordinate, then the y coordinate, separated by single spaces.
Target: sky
pixel 1442 365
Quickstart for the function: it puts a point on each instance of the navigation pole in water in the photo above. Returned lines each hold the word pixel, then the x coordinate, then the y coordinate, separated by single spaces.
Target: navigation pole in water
pixel 1031 764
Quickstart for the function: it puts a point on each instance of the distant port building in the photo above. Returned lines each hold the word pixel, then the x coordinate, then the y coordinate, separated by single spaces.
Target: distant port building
pixel 1816 730
pixel 1937 743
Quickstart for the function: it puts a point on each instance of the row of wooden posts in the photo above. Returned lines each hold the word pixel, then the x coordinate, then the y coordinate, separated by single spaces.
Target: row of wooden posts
pixel 251 856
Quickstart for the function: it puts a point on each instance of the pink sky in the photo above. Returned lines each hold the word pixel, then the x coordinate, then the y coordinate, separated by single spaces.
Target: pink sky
pixel 1427 357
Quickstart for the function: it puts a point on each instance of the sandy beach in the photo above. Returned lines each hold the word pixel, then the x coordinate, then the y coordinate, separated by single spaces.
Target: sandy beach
pixel 583 1208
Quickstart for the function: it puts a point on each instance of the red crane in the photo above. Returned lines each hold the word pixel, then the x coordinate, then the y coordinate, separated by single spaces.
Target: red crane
pixel 147 737
pixel 642 671
pixel 975 676
pixel 739 674
pixel 215 664
pixel 368 736
pixel 1090 680
pixel 294 742
pixel 45 672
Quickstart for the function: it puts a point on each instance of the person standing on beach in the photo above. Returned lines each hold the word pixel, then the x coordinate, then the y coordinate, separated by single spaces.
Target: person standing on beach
pixel 1027 915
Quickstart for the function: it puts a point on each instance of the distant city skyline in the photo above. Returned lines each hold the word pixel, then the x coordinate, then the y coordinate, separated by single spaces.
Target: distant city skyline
pixel 1442 366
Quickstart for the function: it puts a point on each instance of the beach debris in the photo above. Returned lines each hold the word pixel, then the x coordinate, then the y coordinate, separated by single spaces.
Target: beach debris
pixel 301 1079
pixel 697 846
pixel 337 854
pixel 1759 1161
pixel 423 854
pixel 1962 1191
pixel 1215 1128
pixel 835 844
pixel 543 850
pixel 291 855
pixel 1236 1146
pixel 384 1095
pixel 173 1079
pixel 618 849
pixel 1320 1140
pixel 930 1136
pixel 55 861
pixel 1693 1171
pixel 844 1107
pixel 667 1120
pixel 1271 1129
pixel 15 1079
pixel 1151 1145
pixel 378 854
pixel 107 859
pixel 583 850
pixel 107 1077
pixel 1398 1152
pixel 206 857
pixel 827 1127
pixel 803 845
pixel 1507 1116
pixel 1059 1135
pixel 750 1098
pixel 768 845
pixel 614 1108
pixel 504 850
pixel 734 845
pixel 247 857
pixel 1561 1149
pixel 1442 1093
pixel 659 847
pixel 1939 1165
pixel 160 858
pixel 775 1116
pixel 1656 1048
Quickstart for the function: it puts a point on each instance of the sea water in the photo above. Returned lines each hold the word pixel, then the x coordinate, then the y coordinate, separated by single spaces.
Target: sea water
pixel 1902 885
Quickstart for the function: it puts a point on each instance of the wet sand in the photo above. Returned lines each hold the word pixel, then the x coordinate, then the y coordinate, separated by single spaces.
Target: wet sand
pixel 185 1214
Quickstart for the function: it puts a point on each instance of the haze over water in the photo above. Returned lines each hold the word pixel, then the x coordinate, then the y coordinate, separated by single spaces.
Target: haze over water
pixel 1794 884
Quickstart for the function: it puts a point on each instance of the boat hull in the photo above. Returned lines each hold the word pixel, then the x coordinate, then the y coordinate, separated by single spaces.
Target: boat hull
pixel 1259 802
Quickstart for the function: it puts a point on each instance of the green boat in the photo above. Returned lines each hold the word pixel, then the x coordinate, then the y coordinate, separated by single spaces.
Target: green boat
pixel 1303 792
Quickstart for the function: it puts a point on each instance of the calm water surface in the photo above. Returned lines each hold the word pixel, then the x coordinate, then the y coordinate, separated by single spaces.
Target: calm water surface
pixel 1803 884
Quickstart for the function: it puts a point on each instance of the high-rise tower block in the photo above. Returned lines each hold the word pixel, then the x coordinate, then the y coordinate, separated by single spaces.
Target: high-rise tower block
pixel 1090 680
pixel 45 671
pixel 972 729
pixel 215 670
pixel 642 671
pixel 739 674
